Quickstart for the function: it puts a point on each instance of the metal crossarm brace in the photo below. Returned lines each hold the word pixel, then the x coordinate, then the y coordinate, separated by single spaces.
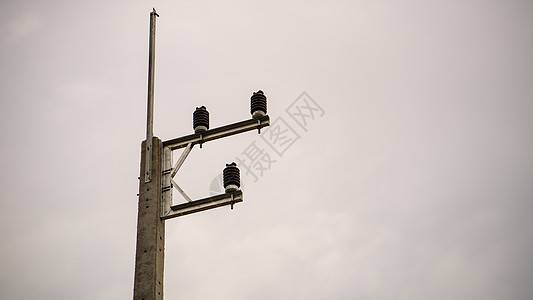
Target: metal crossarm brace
pixel 180 190
pixel 168 211
pixel 217 133
pixel 181 160
pixel 204 204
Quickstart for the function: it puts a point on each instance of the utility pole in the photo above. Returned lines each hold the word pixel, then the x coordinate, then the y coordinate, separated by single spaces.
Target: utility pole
pixel 156 181
pixel 150 252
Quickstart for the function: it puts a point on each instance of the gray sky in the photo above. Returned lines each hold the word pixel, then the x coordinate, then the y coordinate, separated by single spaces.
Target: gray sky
pixel 414 183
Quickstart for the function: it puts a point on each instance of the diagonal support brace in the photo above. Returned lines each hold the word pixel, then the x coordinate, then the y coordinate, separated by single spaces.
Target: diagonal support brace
pixel 180 190
pixel 181 160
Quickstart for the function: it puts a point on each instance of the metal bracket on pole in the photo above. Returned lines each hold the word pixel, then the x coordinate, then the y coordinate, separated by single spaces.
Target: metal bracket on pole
pixel 204 204
pixel 188 142
pixel 166 185
pixel 169 172
pixel 217 133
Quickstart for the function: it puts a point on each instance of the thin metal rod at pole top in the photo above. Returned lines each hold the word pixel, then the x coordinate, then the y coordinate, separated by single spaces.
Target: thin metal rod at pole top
pixel 150 106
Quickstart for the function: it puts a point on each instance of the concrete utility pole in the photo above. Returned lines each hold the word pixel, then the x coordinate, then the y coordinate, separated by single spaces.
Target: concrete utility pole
pixel 149 256
pixel 150 253
pixel 156 182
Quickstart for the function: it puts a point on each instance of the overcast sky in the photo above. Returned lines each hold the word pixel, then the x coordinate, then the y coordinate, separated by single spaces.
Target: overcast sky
pixel 411 179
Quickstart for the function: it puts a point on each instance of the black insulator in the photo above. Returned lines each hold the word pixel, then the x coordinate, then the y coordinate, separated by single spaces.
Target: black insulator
pixel 200 119
pixel 258 104
pixel 231 176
